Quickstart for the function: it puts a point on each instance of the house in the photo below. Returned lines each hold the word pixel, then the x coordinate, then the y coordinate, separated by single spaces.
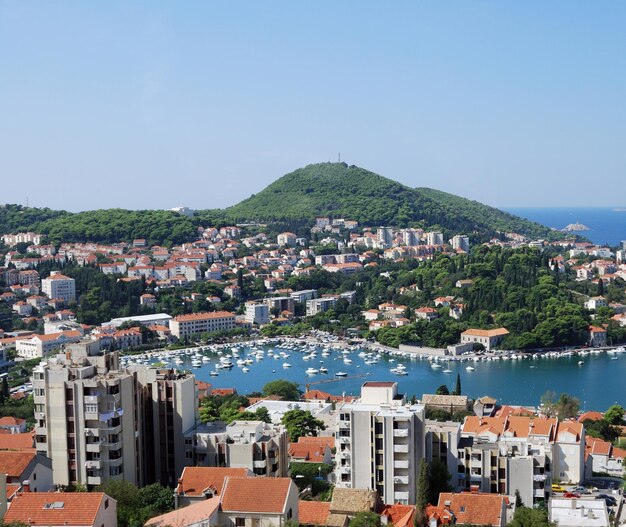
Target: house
pixel 13 425
pixel 602 456
pixel 474 508
pixel 398 515
pixel 489 338
pixel 204 513
pixel 426 313
pixel 464 284
pixel 52 509
pixel 597 336
pixel 312 450
pixel 258 502
pixel 346 503
pixel 22 466
pixel 313 512
pixel 448 403
pixel 485 406
pixel 198 484
pixel 595 302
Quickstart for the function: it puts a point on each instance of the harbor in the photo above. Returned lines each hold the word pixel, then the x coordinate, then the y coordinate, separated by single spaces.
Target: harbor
pixel 594 376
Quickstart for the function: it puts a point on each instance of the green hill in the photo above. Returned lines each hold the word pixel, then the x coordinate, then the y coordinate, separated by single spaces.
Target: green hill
pixel 339 190
pixel 294 200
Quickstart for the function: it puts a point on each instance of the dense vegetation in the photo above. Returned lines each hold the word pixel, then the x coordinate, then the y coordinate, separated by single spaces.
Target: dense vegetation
pixel 339 190
pixel 333 189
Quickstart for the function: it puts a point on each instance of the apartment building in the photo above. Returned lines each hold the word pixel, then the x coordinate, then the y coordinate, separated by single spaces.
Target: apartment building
pixel 319 305
pixel 43 345
pixel 59 286
pixel 380 443
pixel 257 313
pixel 259 447
pixel 184 326
pixel 434 238
pixel 460 243
pixel 97 422
pixel 505 454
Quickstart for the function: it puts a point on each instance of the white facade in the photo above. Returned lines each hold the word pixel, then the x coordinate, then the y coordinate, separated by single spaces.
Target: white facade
pixel 257 313
pixel 59 286
pixel 434 238
pixel 390 462
pixel 460 242
pixel 319 305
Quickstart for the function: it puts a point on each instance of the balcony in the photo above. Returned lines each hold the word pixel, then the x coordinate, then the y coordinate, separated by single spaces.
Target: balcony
pixel 92 432
pixel 91 399
pixel 94 480
pixel 476 477
pixel 402 463
pixel 260 464
pixel 93 447
pixel 344 440
pixel 93 464
pixel 111 429
pixel 110 415
pixel 401 480
pixel 539 493
pixel 401 449
pixel 345 469
pixel 401 432
pixel 112 446
pixel 401 496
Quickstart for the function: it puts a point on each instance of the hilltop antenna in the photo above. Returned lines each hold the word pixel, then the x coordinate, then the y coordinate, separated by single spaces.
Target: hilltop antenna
pixel 339 157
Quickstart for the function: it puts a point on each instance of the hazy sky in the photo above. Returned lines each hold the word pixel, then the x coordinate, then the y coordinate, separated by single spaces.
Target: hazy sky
pixel 158 104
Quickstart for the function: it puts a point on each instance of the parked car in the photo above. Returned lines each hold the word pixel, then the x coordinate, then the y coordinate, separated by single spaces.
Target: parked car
pixel 557 488
pixel 609 500
pixel 581 490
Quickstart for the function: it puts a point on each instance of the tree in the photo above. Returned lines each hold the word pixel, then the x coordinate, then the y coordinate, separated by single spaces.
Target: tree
pixel 287 391
pixel 301 423
pixel 439 480
pixel 423 486
pixel 457 385
pixel 614 415
pixel 365 519
pixel 443 390
pixel 567 406
pixel 525 517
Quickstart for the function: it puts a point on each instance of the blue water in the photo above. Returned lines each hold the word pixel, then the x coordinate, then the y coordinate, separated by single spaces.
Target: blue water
pixel 598 383
pixel 608 225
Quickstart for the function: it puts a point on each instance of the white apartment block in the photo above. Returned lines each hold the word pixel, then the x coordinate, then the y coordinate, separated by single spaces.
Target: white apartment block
pixel 460 242
pixel 505 454
pixel 257 313
pixel 184 326
pixel 380 443
pixel 22 237
pixel 59 286
pixel 434 238
pixel 384 236
pixel 259 447
pixel 43 345
pixel 319 305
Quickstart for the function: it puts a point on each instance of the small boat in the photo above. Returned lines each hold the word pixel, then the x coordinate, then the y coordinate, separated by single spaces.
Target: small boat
pixel 245 370
pixel 213 374
pixel 470 368
pixel 323 370
pixel 581 362
pixel 447 371
pixel 286 365
pixel 341 374
pixel 311 371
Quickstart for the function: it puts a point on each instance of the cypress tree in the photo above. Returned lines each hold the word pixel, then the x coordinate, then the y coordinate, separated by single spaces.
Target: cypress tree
pixel 457 385
pixel 423 486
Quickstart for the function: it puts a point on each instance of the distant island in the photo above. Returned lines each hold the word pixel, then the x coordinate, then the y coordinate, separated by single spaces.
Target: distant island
pixel 575 227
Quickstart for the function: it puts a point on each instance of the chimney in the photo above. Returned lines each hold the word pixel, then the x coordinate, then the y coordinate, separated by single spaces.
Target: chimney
pixel 446 505
pixel 474 489
pixel 26 485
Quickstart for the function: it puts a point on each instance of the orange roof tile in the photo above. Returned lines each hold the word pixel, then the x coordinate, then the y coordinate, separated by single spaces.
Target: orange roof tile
pixel 399 515
pixel 474 509
pixel 242 494
pixel 486 332
pixel 190 515
pixel 313 512
pixel 195 480
pixel 79 508
pixel 13 463
pixel 591 416
pixel 203 316
pixel 17 442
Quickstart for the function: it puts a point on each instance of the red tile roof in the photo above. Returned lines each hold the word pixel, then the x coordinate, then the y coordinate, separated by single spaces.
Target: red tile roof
pixel 17 442
pixel 195 480
pixel 242 495
pixel 78 508
pixel 592 416
pixel 313 512
pixel 474 508
pixel 399 515
pixel 13 463
pixel 196 513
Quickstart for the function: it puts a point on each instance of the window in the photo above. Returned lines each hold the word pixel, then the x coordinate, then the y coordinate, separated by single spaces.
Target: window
pixel 240 522
pixel 106 504
pixel 188 454
pixel 91 408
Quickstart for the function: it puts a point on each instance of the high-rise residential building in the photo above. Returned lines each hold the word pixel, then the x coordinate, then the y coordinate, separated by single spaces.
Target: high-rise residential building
pixel 59 286
pixel 257 313
pixel 262 448
pixel 434 238
pixel 460 242
pixel 411 237
pixel 96 421
pixel 380 443
pixel 384 235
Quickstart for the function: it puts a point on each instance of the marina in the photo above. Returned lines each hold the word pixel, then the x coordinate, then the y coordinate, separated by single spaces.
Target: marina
pixel 594 376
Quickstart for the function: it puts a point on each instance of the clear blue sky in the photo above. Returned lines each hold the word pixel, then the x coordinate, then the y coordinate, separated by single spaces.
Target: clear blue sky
pixel 158 104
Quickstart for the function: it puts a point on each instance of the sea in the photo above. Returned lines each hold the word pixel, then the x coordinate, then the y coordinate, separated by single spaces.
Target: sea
pixel 607 225
pixel 598 382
